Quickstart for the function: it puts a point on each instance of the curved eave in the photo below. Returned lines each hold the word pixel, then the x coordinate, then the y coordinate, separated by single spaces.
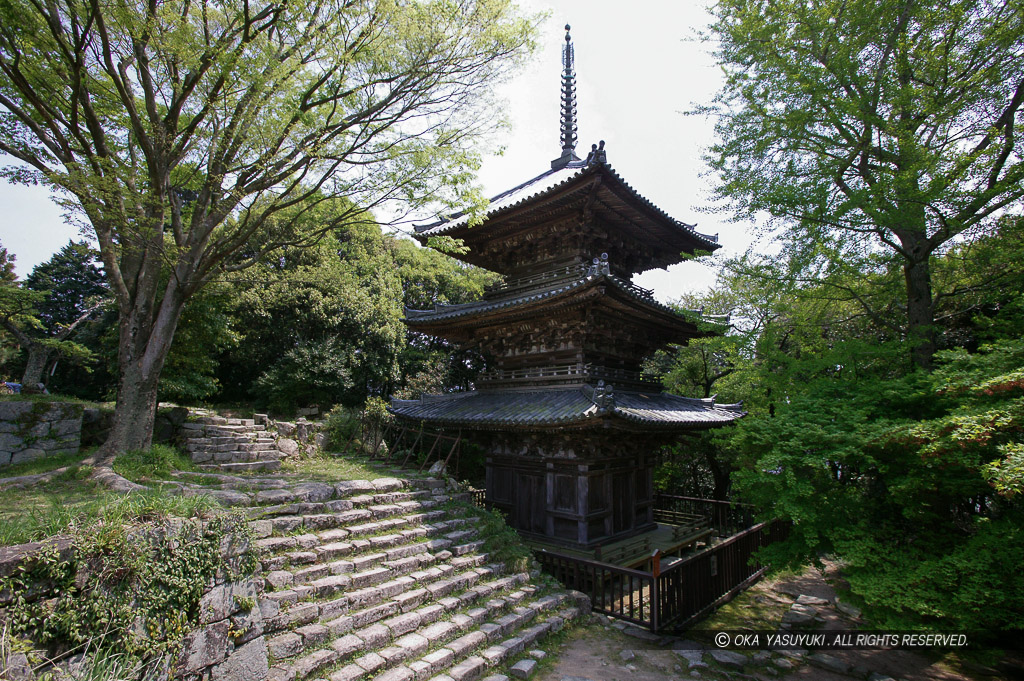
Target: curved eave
pixel 550 183
pixel 544 409
pixel 471 313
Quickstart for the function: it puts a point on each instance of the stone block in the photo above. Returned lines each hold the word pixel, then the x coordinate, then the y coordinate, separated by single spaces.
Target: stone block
pixel 371 662
pixel 303 613
pixel 396 674
pixel 247 662
pixel 414 643
pixel 375 635
pixel 523 669
pixel 347 645
pixel 312 634
pixel 388 484
pixel 285 645
pixel 729 659
pixel 203 648
pixel 467 642
pixel 350 672
pixel 403 624
pixel 314 662
pixel 223 600
pixel 11 411
pixel 11 442
pixel 439 659
pixel 468 669
pixel 287 446
pixel 30 454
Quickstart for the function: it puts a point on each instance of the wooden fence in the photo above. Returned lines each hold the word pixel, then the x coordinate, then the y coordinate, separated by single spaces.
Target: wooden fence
pixel 675 597
pixel 727 517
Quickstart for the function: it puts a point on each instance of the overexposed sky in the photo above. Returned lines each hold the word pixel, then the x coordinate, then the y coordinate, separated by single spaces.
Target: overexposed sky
pixel 638 65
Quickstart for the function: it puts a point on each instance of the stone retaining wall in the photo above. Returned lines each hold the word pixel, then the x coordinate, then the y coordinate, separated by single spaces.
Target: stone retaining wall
pixel 227 645
pixel 33 430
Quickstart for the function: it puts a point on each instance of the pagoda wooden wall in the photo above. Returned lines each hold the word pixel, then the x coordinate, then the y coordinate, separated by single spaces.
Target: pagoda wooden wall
pixel 573 488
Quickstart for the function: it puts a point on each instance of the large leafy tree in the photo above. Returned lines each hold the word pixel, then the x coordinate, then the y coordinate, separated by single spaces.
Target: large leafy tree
pixel 179 130
pixel 870 127
pixel 913 479
pixel 50 306
pixel 430 364
pixel 318 325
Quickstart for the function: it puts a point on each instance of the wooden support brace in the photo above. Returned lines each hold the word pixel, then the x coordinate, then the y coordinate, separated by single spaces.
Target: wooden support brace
pixel 432 447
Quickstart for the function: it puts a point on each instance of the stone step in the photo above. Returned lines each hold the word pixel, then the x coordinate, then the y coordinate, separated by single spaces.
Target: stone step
pixel 357 491
pixel 373 625
pixel 333 514
pixel 407 647
pixel 282 551
pixel 362 606
pixel 271 465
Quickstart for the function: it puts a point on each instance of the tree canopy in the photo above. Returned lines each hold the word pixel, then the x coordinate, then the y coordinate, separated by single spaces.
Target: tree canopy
pixel 874 133
pixel 179 131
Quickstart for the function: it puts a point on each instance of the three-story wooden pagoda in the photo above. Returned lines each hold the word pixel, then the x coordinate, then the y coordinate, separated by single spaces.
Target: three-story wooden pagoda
pixel 569 457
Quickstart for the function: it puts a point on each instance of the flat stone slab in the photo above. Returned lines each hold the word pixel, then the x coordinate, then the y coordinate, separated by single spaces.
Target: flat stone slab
pixel 523 669
pixel 694 658
pixel 729 659
pixel 828 662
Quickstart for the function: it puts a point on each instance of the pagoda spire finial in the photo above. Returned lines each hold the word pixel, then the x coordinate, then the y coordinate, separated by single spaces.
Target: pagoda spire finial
pixel 568 127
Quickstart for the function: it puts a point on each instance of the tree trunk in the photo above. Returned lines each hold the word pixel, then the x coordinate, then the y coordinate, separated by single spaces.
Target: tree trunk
pixel 35 364
pixel 721 475
pixel 920 312
pixel 142 350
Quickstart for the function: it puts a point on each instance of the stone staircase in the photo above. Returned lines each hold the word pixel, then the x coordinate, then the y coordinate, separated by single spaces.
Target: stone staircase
pixel 386 579
pixel 231 445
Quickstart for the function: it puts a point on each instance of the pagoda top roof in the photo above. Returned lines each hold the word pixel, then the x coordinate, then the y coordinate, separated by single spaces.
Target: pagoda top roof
pixel 580 406
pixel 556 180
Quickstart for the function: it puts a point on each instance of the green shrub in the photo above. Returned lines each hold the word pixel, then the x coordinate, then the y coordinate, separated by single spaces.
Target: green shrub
pixel 339 425
pixel 153 464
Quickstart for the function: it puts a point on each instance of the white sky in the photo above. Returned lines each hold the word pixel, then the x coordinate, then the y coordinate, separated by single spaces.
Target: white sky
pixel 638 65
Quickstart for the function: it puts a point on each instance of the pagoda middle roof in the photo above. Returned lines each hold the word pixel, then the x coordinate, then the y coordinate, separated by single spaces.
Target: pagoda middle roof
pixel 590 276
pixel 553 181
pixel 576 406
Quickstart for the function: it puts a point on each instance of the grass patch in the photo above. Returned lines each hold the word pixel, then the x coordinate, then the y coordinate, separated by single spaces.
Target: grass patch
pixel 37 397
pixel 43 465
pixel 328 468
pixel 156 463
pixel 71 501
pixel 501 543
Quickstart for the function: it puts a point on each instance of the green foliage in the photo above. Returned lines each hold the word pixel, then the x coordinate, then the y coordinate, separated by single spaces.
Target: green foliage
pixel 52 304
pixel 61 517
pixel 891 475
pixel 339 424
pixel 257 118
pixel 43 465
pixel 873 133
pixel 131 588
pixel 156 463
pixel 430 364
pixel 71 282
pixel 501 543
pixel 206 328
pixel 320 325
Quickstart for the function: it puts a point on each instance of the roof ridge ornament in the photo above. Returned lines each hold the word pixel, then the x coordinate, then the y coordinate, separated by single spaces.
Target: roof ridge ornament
pixel 568 127
pixel 597 154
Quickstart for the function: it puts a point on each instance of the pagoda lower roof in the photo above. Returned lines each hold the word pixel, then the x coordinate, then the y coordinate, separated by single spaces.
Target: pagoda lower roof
pixel 522 300
pixel 576 406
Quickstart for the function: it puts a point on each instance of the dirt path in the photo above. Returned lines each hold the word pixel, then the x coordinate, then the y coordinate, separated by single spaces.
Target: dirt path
pixel 607 650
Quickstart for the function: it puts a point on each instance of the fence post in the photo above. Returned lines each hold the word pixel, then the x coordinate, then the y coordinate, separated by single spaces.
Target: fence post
pixel 655 590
